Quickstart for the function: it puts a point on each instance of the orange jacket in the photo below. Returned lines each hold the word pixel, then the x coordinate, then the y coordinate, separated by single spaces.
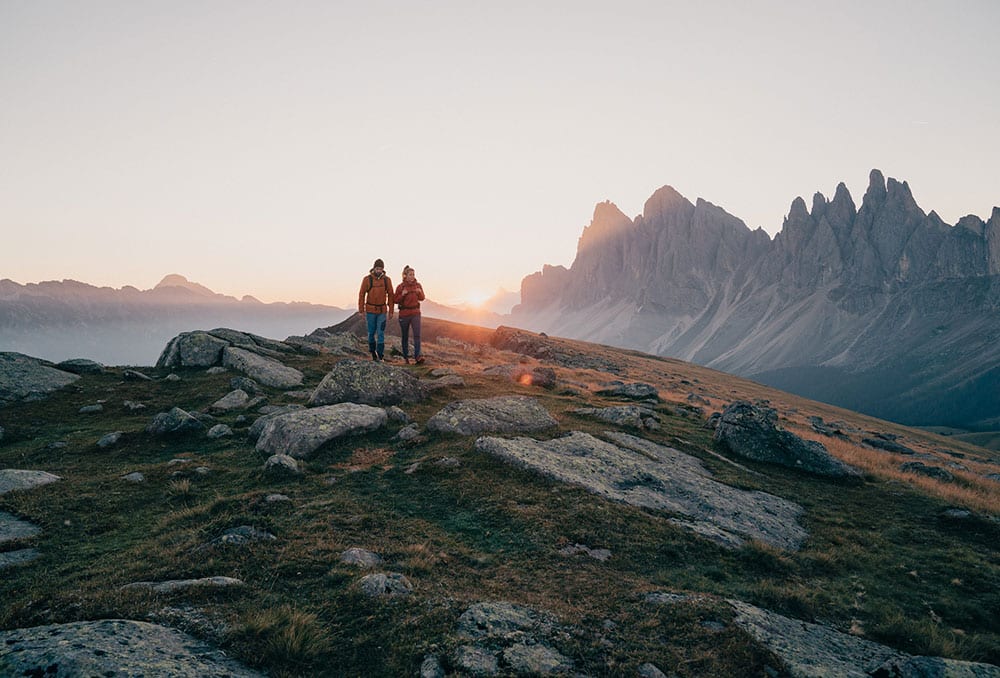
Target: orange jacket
pixel 375 295
pixel 409 296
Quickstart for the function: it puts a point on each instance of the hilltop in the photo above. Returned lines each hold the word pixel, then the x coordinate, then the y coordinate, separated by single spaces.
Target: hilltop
pixel 520 504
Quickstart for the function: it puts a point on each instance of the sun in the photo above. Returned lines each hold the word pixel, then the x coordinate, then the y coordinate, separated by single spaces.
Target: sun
pixel 474 298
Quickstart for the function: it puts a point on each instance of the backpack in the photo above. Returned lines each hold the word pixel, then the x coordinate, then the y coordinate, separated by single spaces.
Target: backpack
pixel 378 298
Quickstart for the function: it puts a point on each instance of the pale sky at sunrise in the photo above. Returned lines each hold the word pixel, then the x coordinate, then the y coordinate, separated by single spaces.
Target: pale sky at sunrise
pixel 277 148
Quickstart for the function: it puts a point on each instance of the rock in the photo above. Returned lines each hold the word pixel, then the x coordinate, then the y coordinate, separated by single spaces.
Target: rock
pixel 476 661
pixel 447 381
pixel 397 414
pixel 246 384
pixel 244 535
pixel 91 409
pixel 175 585
pixel 408 432
pixel 133 375
pixel 360 557
pixel 277 499
pixel 648 670
pixel 134 477
pixel 25 378
pixel 192 349
pixel 636 391
pixel 367 382
pixel 535 660
pixel 218 369
pixel 301 433
pixel 887 444
pixel 234 400
pixel 172 378
pixel 281 465
pixel 809 650
pixel 389 585
pixel 578 549
pixel 219 431
pixel 502 414
pixel 13 528
pixel 642 473
pixel 109 439
pixel 431 667
pixel 263 370
pixel 544 377
pixel 625 415
pixel 18 557
pixel 12 479
pixel 174 422
pixel 133 406
pixel 81 366
pixel 752 432
pixel 272 411
pixel 502 620
pixel 113 647
pixel 920 468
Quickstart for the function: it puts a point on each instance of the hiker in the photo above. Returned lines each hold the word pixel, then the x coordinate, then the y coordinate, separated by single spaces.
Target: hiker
pixel 409 294
pixel 375 303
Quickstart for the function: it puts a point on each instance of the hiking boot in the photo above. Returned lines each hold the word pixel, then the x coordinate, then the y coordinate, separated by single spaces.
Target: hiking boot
pixel 374 356
pixel 406 360
pixel 419 361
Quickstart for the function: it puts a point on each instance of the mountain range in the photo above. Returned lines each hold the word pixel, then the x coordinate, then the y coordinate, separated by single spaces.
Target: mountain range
pixel 882 308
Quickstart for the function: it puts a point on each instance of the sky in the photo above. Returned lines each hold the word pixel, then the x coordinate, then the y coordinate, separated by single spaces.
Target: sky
pixel 277 148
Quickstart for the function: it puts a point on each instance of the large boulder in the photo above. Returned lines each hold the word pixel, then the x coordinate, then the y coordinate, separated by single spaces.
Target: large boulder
pixel 12 479
pixel 503 414
pixel 642 473
pixel 192 349
pixel 112 647
pixel 174 422
pixel 264 370
pixel 299 434
pixel 25 378
pixel 369 383
pixel 751 431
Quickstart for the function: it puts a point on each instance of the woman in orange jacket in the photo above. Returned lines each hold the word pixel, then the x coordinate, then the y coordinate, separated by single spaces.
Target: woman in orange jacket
pixel 408 295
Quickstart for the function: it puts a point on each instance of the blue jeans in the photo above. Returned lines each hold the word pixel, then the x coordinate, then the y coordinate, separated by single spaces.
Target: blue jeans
pixel 376 325
pixel 404 327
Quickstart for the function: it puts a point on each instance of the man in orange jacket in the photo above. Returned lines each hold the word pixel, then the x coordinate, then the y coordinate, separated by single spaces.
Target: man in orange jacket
pixel 375 302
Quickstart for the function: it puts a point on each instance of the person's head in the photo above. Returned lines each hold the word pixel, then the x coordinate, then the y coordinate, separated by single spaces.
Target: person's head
pixel 378 266
pixel 409 273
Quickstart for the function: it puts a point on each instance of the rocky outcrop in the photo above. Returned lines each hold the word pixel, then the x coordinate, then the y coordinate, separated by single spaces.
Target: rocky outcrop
pixel 503 414
pixel 300 433
pixel 250 354
pixel 25 378
pixel 641 473
pixel 12 479
pixel 502 638
pixel 367 382
pixel 752 432
pixel 264 370
pixel 112 647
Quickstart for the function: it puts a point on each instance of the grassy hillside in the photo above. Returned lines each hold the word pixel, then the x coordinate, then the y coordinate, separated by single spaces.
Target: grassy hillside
pixel 883 561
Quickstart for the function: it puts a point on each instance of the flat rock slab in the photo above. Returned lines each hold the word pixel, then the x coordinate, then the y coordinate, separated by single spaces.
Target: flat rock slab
pixel 13 528
pixel 22 479
pixel 175 585
pixel 25 378
pixel 298 434
pixel 814 650
pixel 113 647
pixel 641 473
pixel 261 369
pixel 19 557
pixel 369 383
pixel 504 414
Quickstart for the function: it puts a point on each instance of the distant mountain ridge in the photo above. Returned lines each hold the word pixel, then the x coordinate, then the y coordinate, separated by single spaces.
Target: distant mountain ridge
pixel 883 309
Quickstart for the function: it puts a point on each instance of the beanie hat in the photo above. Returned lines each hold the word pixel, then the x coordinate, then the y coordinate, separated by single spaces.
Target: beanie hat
pixel 378 264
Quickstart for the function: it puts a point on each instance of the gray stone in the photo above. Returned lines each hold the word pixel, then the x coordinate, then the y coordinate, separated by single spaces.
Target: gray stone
pixel 642 473
pixel 431 667
pixel 476 661
pixel 113 647
pixel 234 400
pixel 219 431
pixel 360 558
pixel 242 536
pixel 192 349
pixel 635 391
pixel 18 557
pixel 91 409
pixel 367 382
pixel 13 528
pixel 261 369
pixel 752 432
pixel 922 469
pixel 389 585
pixel 535 660
pixel 282 465
pixel 301 433
pixel 174 422
pixel 133 406
pixel 502 620
pixel 133 375
pixel 218 369
pixel 81 366
pixel 277 498
pixel 809 650
pixel 25 378
pixel 175 585
pixel 397 414
pixel 633 416
pixel 447 381
pixel 172 378
pixel 408 432
pixel 246 384
pixel 648 670
pixel 271 412
pixel 887 444
pixel 503 414
pixel 579 549
pixel 134 477
pixel 12 479
pixel 109 439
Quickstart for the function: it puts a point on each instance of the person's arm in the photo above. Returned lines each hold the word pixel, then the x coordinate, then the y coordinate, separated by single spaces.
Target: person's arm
pixel 392 298
pixel 361 296
pixel 420 292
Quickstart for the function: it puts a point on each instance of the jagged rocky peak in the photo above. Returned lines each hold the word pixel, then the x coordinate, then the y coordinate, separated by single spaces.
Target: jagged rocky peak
pixel 876 187
pixel 608 222
pixel 177 280
pixel 665 201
